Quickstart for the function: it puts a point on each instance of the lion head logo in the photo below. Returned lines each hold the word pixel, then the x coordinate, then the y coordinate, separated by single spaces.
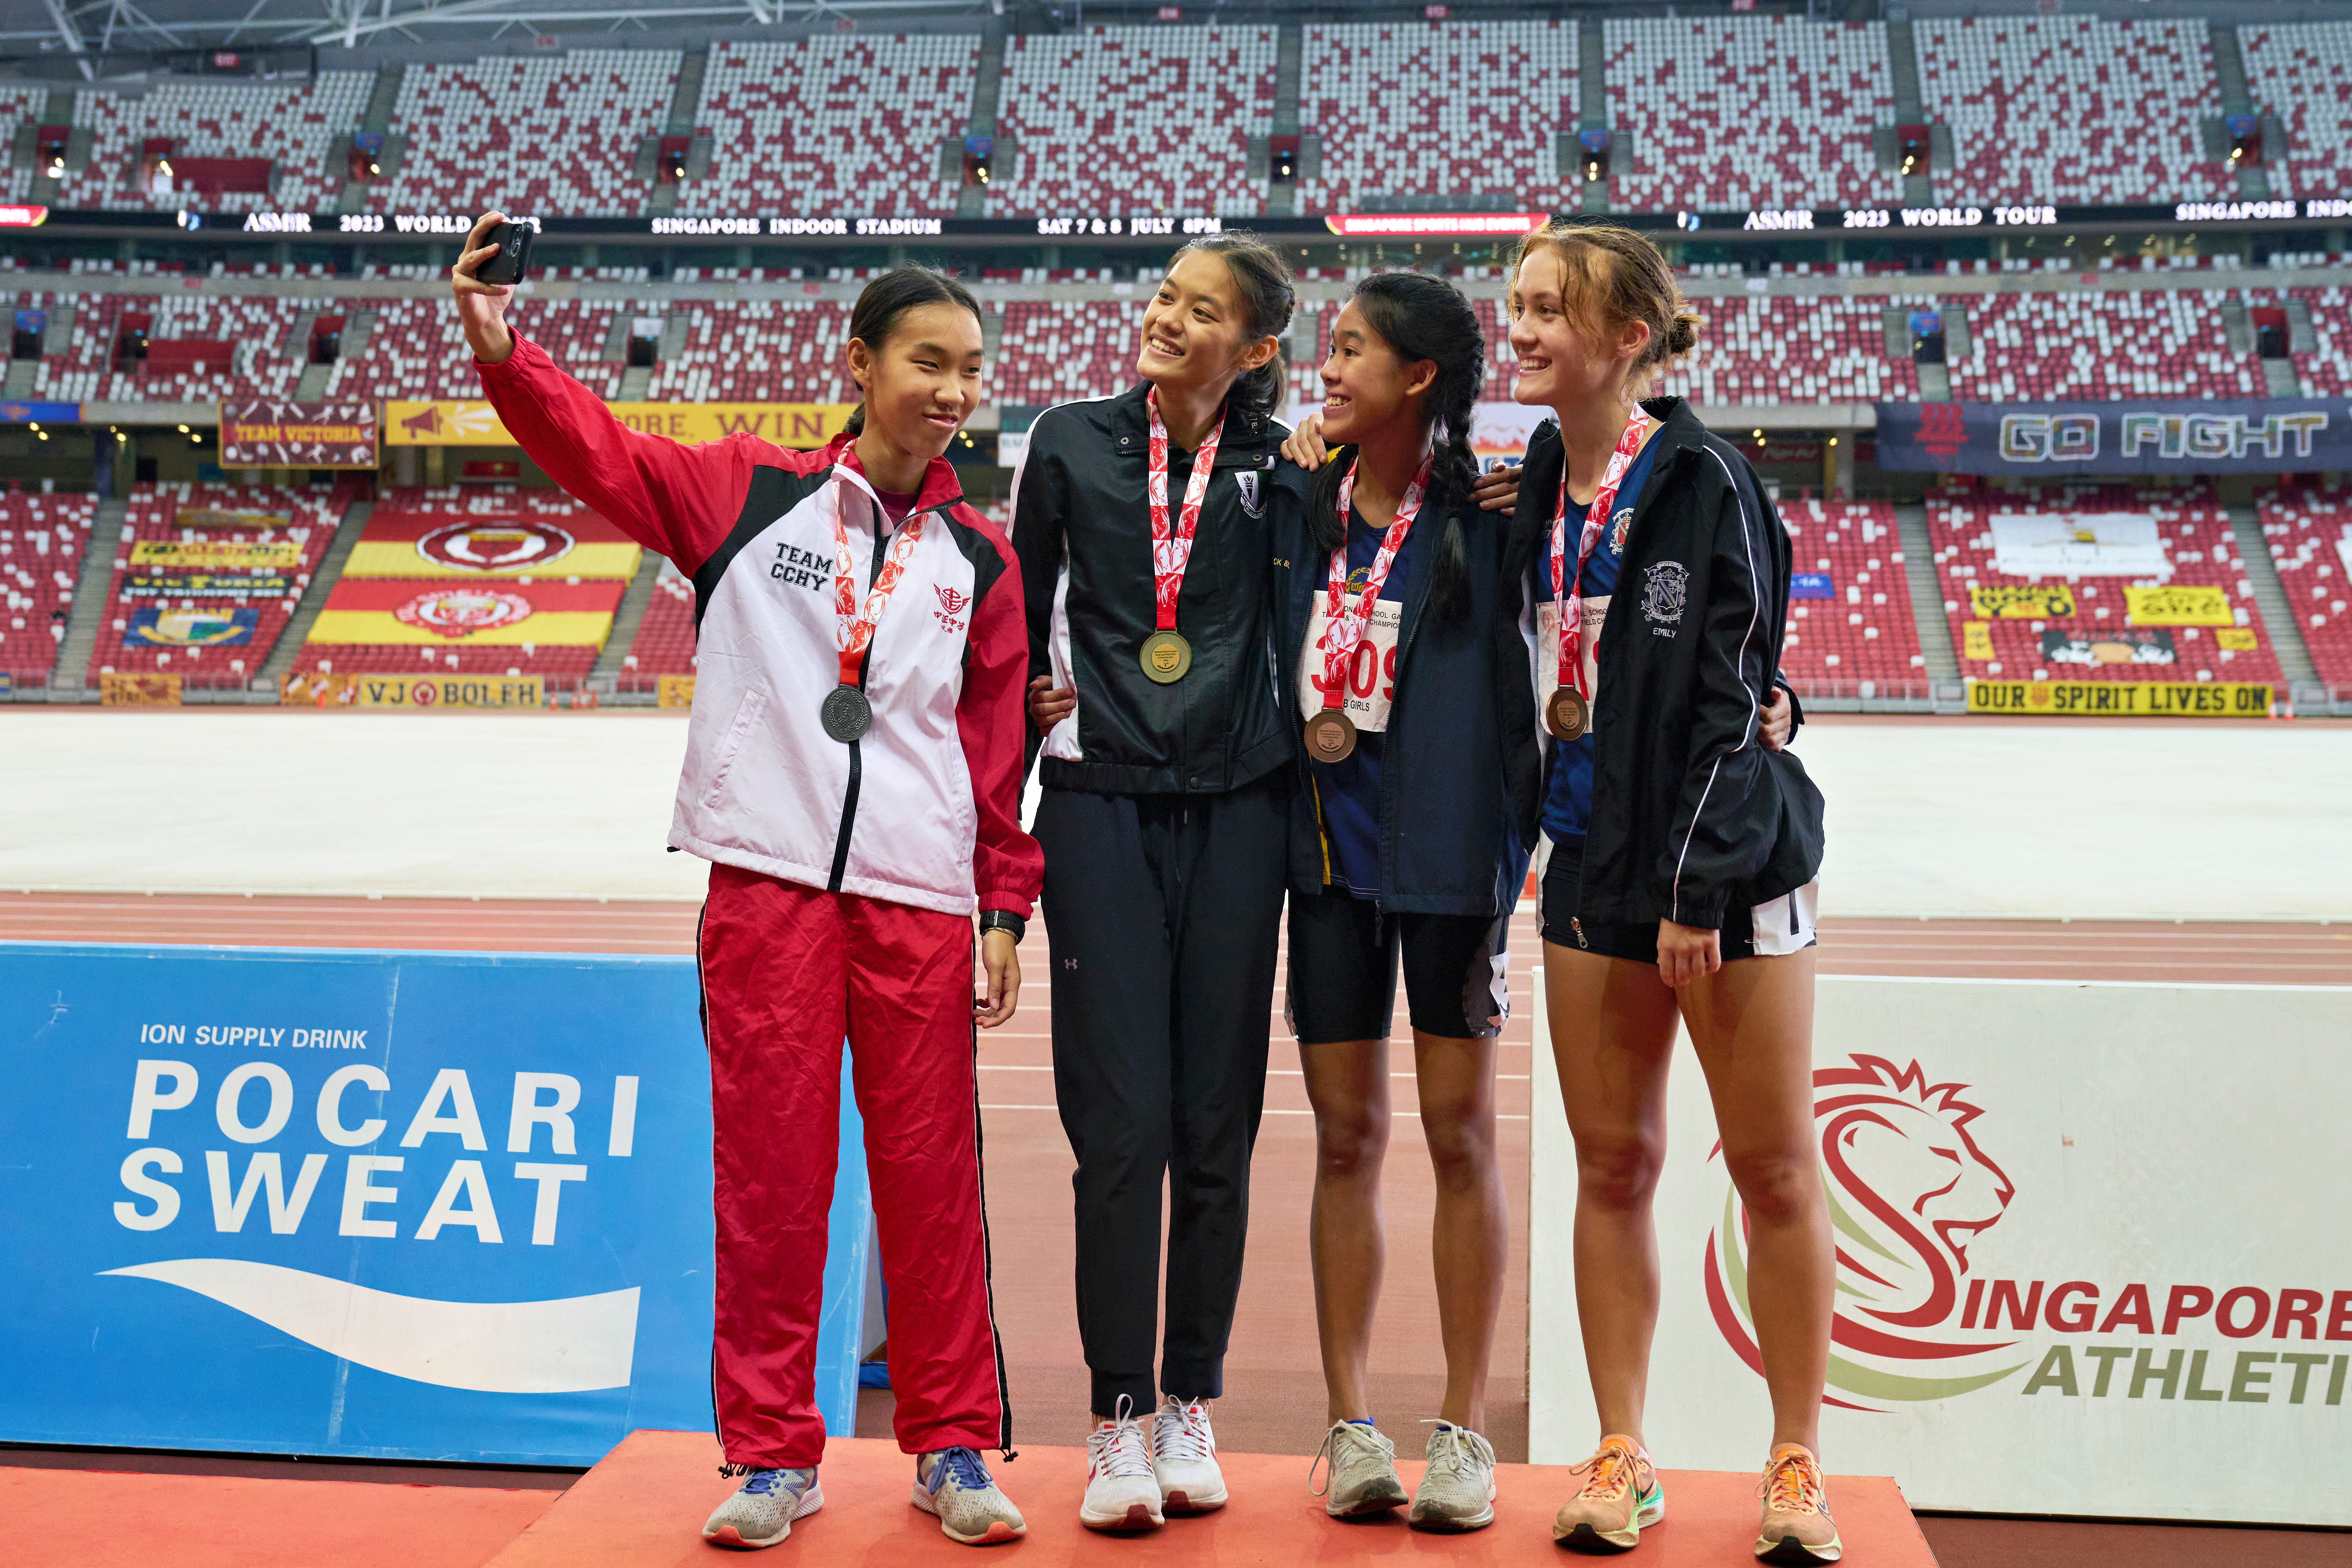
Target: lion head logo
pixel 506 544
pixel 1909 1192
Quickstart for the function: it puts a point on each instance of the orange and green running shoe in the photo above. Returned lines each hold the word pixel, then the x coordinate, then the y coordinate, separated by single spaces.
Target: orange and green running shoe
pixel 1621 1497
pixel 1797 1531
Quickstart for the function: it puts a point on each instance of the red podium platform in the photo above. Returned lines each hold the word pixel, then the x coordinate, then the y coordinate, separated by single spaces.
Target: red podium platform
pixel 643 1505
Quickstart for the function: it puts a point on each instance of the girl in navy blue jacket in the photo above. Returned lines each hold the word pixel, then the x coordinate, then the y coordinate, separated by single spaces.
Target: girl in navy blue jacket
pixel 1402 659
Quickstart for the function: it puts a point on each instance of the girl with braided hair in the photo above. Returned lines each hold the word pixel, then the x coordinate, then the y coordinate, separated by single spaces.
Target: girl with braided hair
pixel 1412 808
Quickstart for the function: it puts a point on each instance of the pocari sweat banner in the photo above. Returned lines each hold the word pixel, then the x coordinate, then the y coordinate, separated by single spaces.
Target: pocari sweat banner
pixel 433 1205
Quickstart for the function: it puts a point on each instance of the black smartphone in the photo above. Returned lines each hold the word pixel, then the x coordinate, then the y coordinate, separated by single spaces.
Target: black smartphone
pixel 513 260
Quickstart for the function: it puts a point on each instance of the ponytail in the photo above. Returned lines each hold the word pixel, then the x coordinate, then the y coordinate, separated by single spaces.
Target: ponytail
pixel 1423 318
pixel 1262 279
pixel 881 304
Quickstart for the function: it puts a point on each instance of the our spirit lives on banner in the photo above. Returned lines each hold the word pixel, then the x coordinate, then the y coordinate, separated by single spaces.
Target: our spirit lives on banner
pixel 392 1205
pixel 2248 435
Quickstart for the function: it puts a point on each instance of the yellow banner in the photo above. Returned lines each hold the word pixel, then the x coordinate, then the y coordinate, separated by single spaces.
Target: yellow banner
pixel 2182 605
pixel 2236 640
pixel 1976 639
pixel 138 689
pixel 548 629
pixel 212 555
pixel 447 424
pixel 674 691
pixel 2121 699
pixel 401 558
pixel 2023 601
pixel 417 693
pixel 214 517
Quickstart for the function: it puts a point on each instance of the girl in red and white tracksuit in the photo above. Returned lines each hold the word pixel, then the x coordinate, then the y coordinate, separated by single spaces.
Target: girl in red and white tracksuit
pixel 853 774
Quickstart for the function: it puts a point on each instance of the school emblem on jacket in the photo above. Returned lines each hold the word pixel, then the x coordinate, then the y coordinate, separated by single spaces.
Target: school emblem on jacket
pixel 1252 502
pixel 951 607
pixel 1665 586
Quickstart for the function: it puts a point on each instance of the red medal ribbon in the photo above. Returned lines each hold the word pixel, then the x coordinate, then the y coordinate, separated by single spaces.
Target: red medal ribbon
pixel 1344 626
pixel 1567 594
pixel 857 623
pixel 1171 548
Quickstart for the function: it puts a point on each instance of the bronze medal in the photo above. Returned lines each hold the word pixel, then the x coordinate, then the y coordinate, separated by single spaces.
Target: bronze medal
pixel 1567 715
pixel 1166 656
pixel 1330 736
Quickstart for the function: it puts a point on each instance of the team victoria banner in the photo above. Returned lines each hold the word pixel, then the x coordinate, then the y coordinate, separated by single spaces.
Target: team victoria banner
pixel 510 614
pixel 249 1205
pixel 265 434
pixel 454 423
pixel 2081 1251
pixel 2056 440
pixel 523 543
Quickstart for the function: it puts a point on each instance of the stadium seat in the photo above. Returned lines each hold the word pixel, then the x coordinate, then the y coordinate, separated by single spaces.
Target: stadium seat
pixel 1056 349
pixel 534 134
pixel 42 539
pixel 761 351
pixel 1118 120
pixel 2098 347
pixel 1450 110
pixel 834 123
pixel 2071 109
pixel 154 514
pixel 1861 641
pixel 1792 349
pixel 2200 550
pixel 2310 536
pixel 2327 369
pixel 1747 111
pixel 2302 73
pixel 295 125
pixel 664 641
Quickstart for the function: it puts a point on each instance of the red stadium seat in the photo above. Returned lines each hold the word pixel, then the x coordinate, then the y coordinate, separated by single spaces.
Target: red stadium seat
pixel 2310 536
pixel 1861 641
pixel 42 541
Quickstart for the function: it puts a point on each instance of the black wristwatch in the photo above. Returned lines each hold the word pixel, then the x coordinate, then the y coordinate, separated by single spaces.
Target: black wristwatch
pixel 1003 919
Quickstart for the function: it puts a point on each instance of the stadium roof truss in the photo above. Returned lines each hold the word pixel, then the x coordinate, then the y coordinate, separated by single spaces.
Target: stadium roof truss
pixel 94 27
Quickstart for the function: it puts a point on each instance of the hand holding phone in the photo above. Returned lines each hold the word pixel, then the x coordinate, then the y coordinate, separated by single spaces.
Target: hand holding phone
pixel 482 297
pixel 512 261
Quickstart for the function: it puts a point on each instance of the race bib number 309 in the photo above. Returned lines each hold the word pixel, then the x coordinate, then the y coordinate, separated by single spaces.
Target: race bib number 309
pixel 1367 679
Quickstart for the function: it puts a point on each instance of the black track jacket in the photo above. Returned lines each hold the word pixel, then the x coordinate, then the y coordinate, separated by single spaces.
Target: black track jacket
pixel 1691 816
pixel 1082 531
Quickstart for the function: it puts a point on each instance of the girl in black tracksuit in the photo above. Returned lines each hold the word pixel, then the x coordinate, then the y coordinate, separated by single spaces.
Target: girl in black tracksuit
pixel 1412 810
pixel 1140 525
pixel 1681 883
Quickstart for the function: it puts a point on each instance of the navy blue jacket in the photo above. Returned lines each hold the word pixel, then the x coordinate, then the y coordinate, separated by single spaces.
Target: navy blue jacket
pixel 1459 771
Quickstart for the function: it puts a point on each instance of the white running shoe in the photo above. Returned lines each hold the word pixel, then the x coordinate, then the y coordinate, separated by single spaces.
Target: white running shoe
pixel 954 1485
pixel 1184 1458
pixel 1362 1479
pixel 761 1511
pixel 1122 1492
pixel 1457 1490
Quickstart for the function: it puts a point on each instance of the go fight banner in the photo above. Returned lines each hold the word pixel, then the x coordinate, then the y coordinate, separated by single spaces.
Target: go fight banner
pixel 2059 440
pixel 2088 1236
pixel 391 1204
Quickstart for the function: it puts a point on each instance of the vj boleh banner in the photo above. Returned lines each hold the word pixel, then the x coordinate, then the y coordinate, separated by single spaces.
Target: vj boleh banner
pixel 447 424
pixel 2060 440
pixel 2079 1253
pixel 510 614
pixel 263 433
pixel 252 1206
pixel 520 544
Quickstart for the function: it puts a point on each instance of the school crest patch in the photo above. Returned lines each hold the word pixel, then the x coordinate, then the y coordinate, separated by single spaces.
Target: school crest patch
pixel 1666 585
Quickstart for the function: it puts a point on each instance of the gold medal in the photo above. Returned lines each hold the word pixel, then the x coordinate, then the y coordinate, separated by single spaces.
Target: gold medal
pixel 1330 736
pixel 1568 716
pixel 1166 656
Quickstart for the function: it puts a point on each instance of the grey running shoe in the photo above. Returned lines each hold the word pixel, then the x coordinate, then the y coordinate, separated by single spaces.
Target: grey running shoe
pixel 955 1486
pixel 1457 1490
pixel 1362 1479
pixel 762 1510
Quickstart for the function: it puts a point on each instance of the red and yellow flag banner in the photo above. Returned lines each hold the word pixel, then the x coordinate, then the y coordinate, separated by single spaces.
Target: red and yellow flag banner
pixel 507 614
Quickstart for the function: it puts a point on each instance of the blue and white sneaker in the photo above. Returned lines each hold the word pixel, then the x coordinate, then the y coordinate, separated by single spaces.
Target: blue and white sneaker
pixel 954 1486
pixel 762 1510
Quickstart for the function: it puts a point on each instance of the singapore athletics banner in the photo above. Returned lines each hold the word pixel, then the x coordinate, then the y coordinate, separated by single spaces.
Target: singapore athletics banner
pixel 2080 1252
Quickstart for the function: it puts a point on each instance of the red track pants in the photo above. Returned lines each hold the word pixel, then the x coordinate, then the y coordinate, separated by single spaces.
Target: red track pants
pixel 787 971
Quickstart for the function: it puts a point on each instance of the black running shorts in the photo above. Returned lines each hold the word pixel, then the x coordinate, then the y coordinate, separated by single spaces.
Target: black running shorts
pixel 1344 956
pixel 1783 926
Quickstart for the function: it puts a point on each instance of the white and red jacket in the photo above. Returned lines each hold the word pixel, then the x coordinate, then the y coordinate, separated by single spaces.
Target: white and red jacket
pixel 924 810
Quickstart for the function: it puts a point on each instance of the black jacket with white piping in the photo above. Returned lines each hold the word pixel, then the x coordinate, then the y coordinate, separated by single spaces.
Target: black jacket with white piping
pixel 1691 815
